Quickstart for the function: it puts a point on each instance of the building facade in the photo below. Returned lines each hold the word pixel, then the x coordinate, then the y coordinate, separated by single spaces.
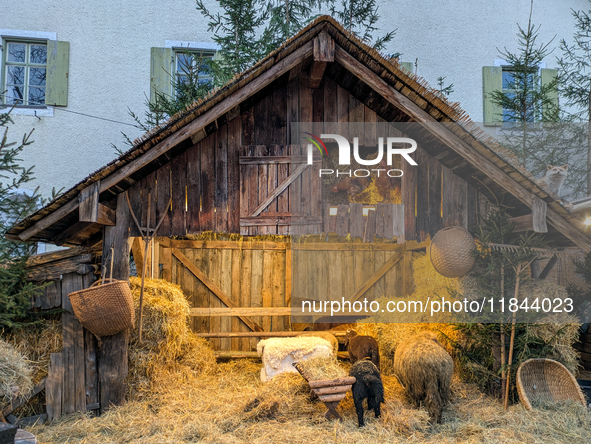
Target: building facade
pixel 96 63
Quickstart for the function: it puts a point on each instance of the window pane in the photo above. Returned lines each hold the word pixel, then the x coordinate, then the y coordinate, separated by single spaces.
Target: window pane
pixel 36 96
pixel 183 63
pixel 14 94
pixel 17 52
pixel 204 68
pixel 16 75
pixel 38 54
pixel 508 80
pixel 37 76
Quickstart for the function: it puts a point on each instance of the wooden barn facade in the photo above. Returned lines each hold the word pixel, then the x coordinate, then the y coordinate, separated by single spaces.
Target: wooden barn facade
pixel 227 166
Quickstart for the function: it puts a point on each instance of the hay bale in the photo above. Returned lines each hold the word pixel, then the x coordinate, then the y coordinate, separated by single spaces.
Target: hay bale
pixel 169 351
pixel 15 373
pixel 36 343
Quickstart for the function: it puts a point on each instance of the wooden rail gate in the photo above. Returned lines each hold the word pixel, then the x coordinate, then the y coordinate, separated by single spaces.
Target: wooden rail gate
pixel 247 286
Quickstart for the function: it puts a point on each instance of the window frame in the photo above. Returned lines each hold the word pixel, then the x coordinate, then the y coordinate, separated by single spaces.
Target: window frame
pixel 9 35
pixel 503 64
pixel 176 52
pixel 27 65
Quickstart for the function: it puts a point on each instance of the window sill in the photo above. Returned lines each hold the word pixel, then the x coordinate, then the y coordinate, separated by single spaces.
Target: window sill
pixel 28 110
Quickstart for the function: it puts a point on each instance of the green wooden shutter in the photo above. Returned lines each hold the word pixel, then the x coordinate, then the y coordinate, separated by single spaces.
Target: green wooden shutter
pixel 56 83
pixel 160 71
pixel 492 80
pixel 407 66
pixel 548 76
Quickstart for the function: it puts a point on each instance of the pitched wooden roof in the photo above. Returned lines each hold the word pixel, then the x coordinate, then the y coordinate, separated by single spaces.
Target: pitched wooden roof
pixel 419 102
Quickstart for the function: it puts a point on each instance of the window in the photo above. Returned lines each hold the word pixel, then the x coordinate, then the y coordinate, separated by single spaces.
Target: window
pixel 191 62
pixel 500 78
pixel 25 73
pixel 509 85
pixel 34 71
pixel 175 60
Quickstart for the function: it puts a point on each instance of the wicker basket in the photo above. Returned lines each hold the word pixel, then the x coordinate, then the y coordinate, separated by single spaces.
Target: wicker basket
pixel 104 309
pixel 451 252
pixel 545 380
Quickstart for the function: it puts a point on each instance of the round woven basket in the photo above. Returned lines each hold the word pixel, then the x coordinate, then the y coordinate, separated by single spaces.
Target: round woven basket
pixel 451 252
pixel 105 309
pixel 546 381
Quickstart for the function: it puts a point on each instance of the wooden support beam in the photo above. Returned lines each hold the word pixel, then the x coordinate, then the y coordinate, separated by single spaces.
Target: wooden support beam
pixel 112 350
pixel 54 386
pixel 280 188
pixel 241 311
pixel 213 287
pixel 548 268
pixel 323 53
pixel 89 202
pixel 77 233
pixel 262 334
pixel 137 250
pixel 54 270
pixel 456 143
pixel 275 71
pixel 278 220
pixel 44 258
pixel 15 403
pixel 523 223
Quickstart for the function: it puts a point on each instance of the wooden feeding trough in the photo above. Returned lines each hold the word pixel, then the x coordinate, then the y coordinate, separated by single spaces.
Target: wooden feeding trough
pixel 330 391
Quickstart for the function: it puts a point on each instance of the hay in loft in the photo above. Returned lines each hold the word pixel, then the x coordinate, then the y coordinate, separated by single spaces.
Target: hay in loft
pixel 170 352
pixel 15 373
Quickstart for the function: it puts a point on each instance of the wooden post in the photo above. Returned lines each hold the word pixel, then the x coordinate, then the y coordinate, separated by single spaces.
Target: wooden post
pixel 112 350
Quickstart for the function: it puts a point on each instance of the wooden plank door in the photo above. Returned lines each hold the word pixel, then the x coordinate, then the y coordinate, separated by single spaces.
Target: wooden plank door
pixel 279 192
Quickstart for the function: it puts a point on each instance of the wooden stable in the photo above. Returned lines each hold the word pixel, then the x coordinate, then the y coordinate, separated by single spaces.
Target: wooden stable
pixel 230 166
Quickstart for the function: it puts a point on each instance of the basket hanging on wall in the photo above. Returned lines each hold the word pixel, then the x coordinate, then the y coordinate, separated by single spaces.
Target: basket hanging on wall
pixel 105 309
pixel 451 252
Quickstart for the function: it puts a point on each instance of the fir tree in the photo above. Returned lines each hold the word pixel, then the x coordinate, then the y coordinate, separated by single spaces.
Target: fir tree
pixel 235 30
pixel 287 17
pixel 15 291
pixel 575 86
pixel 360 18
pixel 444 89
pixel 526 100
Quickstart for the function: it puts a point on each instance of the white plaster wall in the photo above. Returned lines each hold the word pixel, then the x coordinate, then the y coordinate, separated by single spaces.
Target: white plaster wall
pixel 110 61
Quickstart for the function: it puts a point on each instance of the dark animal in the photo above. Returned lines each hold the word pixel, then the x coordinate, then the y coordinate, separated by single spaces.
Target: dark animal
pixel 352 185
pixel 362 347
pixel 424 368
pixel 368 385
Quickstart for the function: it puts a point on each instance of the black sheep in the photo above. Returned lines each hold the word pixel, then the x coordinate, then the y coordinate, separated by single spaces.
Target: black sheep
pixel 368 384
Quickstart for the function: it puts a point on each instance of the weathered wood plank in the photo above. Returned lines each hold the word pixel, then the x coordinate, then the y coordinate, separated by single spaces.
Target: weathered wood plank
pixel 539 209
pixel 234 185
pixel 342 226
pixel 396 257
pixel 370 226
pixel 89 202
pixel 207 216
pixel 221 177
pixel 211 285
pixel 54 386
pixel 112 352
pixel 241 311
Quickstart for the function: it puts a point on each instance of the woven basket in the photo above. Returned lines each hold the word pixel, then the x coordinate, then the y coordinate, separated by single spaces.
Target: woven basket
pixel 104 309
pixel 546 381
pixel 451 252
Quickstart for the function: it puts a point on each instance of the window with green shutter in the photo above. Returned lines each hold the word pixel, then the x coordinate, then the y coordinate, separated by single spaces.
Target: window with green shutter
pixel 501 78
pixel 179 63
pixel 34 72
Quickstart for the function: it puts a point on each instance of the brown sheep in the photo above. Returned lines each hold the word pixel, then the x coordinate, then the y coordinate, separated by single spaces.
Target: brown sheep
pixel 424 368
pixel 324 335
pixel 362 347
